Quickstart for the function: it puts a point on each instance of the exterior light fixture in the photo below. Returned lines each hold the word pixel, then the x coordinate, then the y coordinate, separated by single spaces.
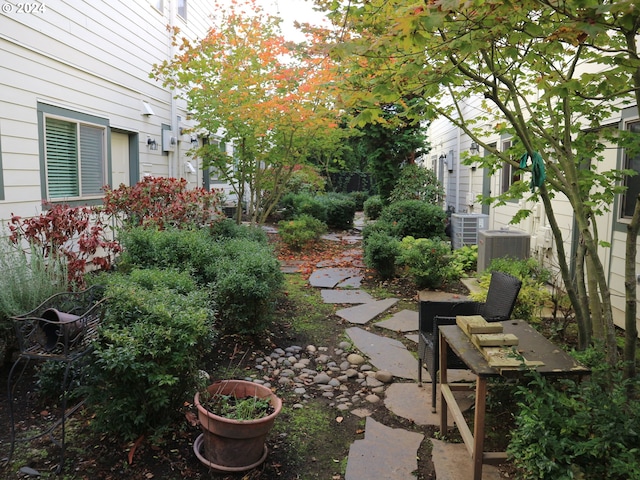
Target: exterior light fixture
pixel 152 144
pixel 474 148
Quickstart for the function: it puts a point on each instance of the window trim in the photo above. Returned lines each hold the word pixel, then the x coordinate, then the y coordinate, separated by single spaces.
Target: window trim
pixel 505 145
pixel 183 15
pixel 50 111
pixel 624 164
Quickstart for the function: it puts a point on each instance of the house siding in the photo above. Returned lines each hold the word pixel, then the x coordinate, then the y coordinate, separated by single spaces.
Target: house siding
pixel 443 136
pixel 90 58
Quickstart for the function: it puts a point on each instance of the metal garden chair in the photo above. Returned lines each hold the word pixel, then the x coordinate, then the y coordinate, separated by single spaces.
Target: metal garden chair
pixel 501 299
pixel 61 329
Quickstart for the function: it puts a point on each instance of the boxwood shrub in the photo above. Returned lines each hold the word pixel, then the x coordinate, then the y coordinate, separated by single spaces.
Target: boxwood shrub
pixel 341 210
pixel 247 282
pixel 301 231
pixel 296 204
pixel 381 251
pixel 414 218
pixel 157 328
pixel 373 207
pixel 243 275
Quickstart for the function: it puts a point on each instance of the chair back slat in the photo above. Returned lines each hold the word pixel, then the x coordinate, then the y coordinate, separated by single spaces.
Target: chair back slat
pixel 501 297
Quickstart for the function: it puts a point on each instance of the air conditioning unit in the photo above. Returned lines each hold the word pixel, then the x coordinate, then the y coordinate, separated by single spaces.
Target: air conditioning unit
pixel 465 228
pixel 502 243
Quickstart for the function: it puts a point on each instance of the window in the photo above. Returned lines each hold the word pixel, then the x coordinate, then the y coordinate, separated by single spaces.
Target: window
pixel 212 175
pixel 182 9
pixel 73 159
pixel 157 4
pixel 632 183
pixel 510 173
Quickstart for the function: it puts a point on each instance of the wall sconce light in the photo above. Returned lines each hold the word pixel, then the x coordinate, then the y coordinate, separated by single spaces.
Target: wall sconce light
pixel 194 140
pixel 474 148
pixel 152 144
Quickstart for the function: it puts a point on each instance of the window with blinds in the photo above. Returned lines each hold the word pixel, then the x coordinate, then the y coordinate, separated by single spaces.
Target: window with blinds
pixel 631 162
pixel 75 159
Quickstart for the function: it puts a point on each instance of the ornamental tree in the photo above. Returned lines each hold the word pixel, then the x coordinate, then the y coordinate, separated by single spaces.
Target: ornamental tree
pixel 271 98
pixel 550 74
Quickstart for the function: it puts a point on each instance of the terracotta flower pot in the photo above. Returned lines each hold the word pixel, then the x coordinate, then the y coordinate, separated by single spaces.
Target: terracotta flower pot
pixel 228 445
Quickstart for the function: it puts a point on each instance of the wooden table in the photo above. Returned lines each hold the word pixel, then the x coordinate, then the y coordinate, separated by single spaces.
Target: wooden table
pixel 533 347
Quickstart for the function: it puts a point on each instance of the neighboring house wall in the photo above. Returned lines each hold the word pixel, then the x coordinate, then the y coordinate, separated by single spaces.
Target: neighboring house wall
pixel 444 137
pixel 74 83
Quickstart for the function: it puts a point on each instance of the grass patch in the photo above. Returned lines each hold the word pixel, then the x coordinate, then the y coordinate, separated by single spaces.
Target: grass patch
pixel 313 435
pixel 311 312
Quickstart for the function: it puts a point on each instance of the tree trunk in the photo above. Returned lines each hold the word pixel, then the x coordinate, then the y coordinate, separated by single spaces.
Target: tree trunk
pixel 582 312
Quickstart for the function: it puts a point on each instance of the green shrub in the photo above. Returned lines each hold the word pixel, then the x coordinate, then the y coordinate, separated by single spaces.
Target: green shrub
pixel 534 293
pixel 248 281
pixel 373 207
pixel 381 252
pixel 341 210
pixel 417 183
pixel 414 218
pixel 588 430
pixel 244 273
pixel 157 328
pixel 359 197
pixel 228 228
pixel 192 250
pixel 296 204
pixel 307 179
pixel 300 231
pixel 427 260
pixel 465 258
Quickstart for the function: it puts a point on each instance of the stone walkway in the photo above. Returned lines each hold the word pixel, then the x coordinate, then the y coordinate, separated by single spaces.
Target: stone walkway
pixel 387 453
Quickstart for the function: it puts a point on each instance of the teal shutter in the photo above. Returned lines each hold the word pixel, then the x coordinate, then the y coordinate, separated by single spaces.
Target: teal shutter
pixel 92 160
pixel 62 158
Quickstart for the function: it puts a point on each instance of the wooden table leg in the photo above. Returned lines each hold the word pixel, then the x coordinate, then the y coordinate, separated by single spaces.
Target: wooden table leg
pixel 478 427
pixel 442 379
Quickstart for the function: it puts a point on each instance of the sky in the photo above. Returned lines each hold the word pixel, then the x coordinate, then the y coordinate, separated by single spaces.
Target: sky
pixel 291 11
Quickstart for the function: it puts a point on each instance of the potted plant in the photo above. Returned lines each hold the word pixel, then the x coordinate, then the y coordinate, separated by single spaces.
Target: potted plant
pixel 235 416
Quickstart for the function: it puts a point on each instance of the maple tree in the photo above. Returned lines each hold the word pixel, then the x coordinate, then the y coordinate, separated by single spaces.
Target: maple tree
pixel 271 98
pixel 547 74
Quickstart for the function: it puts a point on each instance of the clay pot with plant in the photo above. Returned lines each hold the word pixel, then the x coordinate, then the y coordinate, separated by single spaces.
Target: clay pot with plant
pixel 236 417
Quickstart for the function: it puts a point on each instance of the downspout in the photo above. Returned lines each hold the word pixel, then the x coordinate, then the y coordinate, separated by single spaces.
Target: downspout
pixel 458 171
pixel 172 155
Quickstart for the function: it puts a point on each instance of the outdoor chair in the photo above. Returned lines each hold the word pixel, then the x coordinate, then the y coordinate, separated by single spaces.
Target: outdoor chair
pixel 61 329
pixel 501 298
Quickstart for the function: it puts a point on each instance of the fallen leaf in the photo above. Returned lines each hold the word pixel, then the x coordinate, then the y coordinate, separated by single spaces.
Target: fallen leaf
pixel 192 419
pixel 136 444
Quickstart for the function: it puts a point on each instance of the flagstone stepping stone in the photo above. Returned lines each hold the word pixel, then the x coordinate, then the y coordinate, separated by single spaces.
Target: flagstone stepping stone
pixel 453 462
pixel 403 321
pixel 384 453
pixel 345 296
pixel 291 266
pixel 367 311
pixel 409 401
pixel 330 277
pixel 438 296
pixel 413 337
pixel 351 282
pixel 385 353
